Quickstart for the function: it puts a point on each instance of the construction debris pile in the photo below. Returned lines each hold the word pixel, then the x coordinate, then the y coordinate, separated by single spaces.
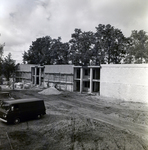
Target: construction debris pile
pixel 50 91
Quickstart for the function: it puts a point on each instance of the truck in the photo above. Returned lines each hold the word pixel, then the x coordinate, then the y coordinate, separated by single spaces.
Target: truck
pixel 15 111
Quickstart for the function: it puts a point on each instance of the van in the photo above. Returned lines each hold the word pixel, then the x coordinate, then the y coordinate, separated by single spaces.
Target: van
pixel 5 95
pixel 14 111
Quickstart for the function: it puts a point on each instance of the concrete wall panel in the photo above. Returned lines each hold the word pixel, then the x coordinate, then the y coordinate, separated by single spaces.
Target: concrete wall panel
pixel 126 82
pixel 25 67
pixel 59 69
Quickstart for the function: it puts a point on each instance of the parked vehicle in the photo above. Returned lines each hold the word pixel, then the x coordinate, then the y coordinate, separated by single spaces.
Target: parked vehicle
pixel 14 111
pixel 5 95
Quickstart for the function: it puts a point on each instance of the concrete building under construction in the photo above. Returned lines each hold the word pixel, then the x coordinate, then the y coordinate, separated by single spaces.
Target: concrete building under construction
pixel 120 81
pixel 65 77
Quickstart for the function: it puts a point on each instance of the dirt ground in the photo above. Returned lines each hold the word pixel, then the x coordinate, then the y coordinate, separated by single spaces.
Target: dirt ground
pixel 79 122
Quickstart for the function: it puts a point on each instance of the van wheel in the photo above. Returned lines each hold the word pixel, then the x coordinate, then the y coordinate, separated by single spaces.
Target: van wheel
pixel 38 116
pixel 16 120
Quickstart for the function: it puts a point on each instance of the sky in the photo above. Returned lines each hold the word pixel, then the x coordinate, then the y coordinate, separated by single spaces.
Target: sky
pixel 23 21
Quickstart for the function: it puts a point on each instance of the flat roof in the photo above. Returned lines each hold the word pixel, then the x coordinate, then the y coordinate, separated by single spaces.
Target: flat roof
pixel 4 93
pixel 23 100
pixel 86 66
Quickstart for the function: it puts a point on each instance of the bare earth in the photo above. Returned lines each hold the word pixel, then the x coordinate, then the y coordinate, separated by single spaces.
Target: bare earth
pixel 79 122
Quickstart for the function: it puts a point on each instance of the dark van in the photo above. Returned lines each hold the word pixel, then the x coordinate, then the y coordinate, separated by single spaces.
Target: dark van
pixel 5 95
pixel 14 111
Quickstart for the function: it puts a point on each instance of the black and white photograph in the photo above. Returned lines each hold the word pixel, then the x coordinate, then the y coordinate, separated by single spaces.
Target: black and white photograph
pixel 73 75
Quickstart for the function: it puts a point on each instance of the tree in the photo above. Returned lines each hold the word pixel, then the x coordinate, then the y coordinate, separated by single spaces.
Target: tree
pixel 110 44
pixel 138 49
pixel 63 53
pixel 8 67
pixel 39 51
pixel 81 47
pixel 1 55
pixel 129 57
pixel 59 52
pixel 1 50
pixel 47 51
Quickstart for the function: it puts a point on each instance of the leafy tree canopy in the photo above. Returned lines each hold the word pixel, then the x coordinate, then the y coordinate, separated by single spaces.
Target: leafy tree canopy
pixel 110 44
pixel 1 57
pixel 138 49
pixel 47 51
pixel 39 51
pixel 8 66
pixel 81 45
pixel 104 46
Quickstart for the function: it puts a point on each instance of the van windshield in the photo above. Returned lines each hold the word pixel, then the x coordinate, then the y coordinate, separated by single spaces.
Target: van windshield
pixel 5 106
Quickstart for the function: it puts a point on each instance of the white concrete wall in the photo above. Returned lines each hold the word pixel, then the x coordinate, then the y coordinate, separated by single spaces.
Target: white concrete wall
pixel 127 82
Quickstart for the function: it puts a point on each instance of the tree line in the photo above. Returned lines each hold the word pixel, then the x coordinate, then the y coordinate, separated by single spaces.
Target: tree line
pixel 104 46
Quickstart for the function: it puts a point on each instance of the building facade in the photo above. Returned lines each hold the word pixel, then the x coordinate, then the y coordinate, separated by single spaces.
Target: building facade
pixel 119 81
pixel 65 77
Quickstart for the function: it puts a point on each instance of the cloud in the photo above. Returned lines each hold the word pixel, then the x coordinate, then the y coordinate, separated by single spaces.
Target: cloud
pixel 24 21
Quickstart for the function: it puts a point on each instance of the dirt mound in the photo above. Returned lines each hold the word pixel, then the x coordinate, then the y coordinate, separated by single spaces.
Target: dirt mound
pixel 50 91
